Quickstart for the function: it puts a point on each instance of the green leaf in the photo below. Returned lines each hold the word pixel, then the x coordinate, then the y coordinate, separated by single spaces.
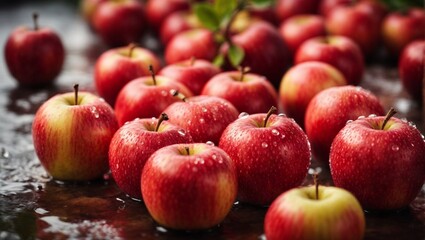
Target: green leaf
pixel 219 60
pixel 224 8
pixel 236 55
pixel 207 16
pixel 263 3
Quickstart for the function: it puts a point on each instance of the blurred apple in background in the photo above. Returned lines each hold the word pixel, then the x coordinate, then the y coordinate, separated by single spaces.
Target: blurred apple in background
pixel 411 68
pixel 71 134
pixel 158 10
pixel 203 117
pixel 401 28
pixel 119 23
pixel 288 8
pixel 295 30
pixel 299 214
pixel 35 56
pixel 176 23
pixel 88 8
pixel 147 97
pixel 193 73
pixel 134 143
pixel 340 52
pixel 198 43
pixel 328 112
pixel 248 92
pixel 380 160
pixel 189 186
pixel 326 6
pixel 271 154
pixel 302 82
pixel 116 67
pixel 358 23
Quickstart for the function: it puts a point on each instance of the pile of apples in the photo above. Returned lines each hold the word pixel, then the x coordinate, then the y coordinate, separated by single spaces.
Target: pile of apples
pixel 199 129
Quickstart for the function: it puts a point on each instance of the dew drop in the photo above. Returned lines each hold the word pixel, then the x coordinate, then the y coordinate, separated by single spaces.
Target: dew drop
pixel 412 144
pixel 282 136
pixel 164 93
pixel 395 148
pixel 243 115
pixel 281 115
pixel 182 132
pixel 358 88
pixel 210 143
pixel 275 132
pixel 349 121
pixel 161 229
pixel 404 120
pixel 126 122
pixel 102 99
pixel 201 120
pixel 173 92
pixel 204 109
pixel 264 145
pixel 214 156
pixel 412 124
pixel 93 110
pixel 361 117
pixel 372 115
pixel 275 144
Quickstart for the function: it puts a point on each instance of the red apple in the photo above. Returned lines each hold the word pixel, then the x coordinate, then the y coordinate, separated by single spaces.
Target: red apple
pixel 295 30
pixel 134 143
pixel 88 8
pixel 158 10
pixel 193 73
pixel 71 134
pixel 116 67
pixel 146 97
pixel 289 8
pixel 358 23
pixel 197 43
pixel 250 93
pixel 326 6
pixel 203 117
pixel 399 29
pixel 411 68
pixel 189 186
pixel 271 154
pixel 34 57
pixel 384 156
pixel 119 23
pixel 299 214
pixel 328 112
pixel 265 52
pixel 340 52
pixel 176 23
pixel 265 13
pixel 302 82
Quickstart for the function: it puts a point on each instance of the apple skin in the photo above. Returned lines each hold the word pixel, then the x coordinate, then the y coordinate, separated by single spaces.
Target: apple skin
pixel 288 8
pixel 193 73
pixel 133 144
pixel 269 160
pixel 399 29
pixel 158 10
pixel 176 23
pixel 328 112
pixel 203 181
pixel 141 98
pixel 296 214
pixel 88 8
pixel 358 23
pixel 295 30
pixel 254 94
pixel 198 43
pixel 339 51
pixel 34 57
pixel 326 6
pixel 115 68
pixel 411 68
pixel 302 82
pixel 120 23
pixel 388 165
pixel 203 117
pixel 72 141
pixel 265 52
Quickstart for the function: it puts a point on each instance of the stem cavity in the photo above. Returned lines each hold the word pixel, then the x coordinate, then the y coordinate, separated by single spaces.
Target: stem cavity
pixel 272 110
pixel 163 117
pixel 390 113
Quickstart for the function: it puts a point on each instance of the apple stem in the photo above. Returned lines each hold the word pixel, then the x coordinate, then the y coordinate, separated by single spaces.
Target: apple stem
pixel 163 117
pixel 192 61
pixel 131 47
pixel 187 150
pixel 316 184
pixel 35 20
pixel 76 94
pixel 176 93
pixel 152 74
pixel 272 110
pixel 390 113
pixel 243 71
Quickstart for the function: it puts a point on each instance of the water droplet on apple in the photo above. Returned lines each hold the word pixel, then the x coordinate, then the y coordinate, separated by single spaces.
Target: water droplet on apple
pixel 210 143
pixel 164 93
pixel 161 229
pixel 173 92
pixel 275 132
pixel 361 117
pixel 412 144
pixel 126 122
pixel 282 136
pixel 349 121
pixel 214 156
pixel 93 110
pixel 423 137
pixel 275 144
pixel 281 115
pixel 372 115
pixel 243 115
pixel 264 145
pixel 412 124
pixel 102 99
pixel 201 120
pixel 204 109
pixel 199 160
pixel 395 148
pixel 182 132
pixel 404 120
pixel 358 88
pixel 262 237
pixel 4 153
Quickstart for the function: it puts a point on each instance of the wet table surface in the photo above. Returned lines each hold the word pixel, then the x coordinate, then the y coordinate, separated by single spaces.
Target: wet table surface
pixel 34 206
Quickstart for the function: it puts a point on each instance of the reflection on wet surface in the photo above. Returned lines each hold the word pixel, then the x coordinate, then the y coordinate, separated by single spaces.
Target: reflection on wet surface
pixel 32 205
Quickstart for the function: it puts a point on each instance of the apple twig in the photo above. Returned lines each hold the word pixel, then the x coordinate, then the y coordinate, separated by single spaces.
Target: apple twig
pixel 272 110
pixel 76 94
pixel 131 47
pixel 243 71
pixel 35 20
pixel 390 113
pixel 152 74
pixel 163 117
